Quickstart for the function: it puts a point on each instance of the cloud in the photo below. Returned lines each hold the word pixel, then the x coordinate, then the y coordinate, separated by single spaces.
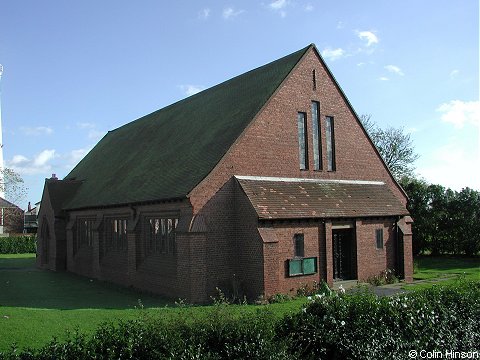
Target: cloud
pixel 454 73
pixel 438 165
pixel 394 69
pixel 93 133
pixel 86 125
pixel 190 90
pixel 36 131
pixel 96 135
pixel 309 7
pixel 460 113
pixel 204 14
pixel 368 36
pixel 383 78
pixel 39 164
pixel 73 157
pixel 333 54
pixel 279 6
pixel 230 12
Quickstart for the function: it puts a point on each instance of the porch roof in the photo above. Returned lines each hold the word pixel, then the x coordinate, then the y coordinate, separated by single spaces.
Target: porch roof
pixel 281 198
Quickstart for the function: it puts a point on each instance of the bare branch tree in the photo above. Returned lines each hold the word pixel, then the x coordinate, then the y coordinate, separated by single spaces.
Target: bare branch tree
pixel 394 145
pixel 13 186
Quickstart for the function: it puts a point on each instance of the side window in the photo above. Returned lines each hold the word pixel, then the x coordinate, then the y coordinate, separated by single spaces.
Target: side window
pixel 379 238
pixel 330 138
pixel 160 235
pixel 302 140
pixel 317 142
pixel 298 240
pixel 300 265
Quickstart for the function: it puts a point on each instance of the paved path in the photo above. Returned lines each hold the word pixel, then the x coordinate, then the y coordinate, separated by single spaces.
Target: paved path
pixel 384 290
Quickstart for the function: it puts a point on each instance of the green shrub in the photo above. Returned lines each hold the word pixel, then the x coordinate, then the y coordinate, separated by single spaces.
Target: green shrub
pixel 385 277
pixel 278 298
pixel 18 244
pixel 221 335
pixel 331 326
pixel 364 326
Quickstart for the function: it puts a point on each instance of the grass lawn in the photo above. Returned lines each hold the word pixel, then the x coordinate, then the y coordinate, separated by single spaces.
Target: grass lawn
pixel 37 305
pixel 443 270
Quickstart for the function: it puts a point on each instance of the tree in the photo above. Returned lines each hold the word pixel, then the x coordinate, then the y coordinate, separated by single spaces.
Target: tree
pixel 15 192
pixel 394 146
pixel 13 186
pixel 445 221
pixel 464 220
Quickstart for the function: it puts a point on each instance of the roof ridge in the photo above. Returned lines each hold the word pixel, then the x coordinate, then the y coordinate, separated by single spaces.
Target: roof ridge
pixel 215 86
pixel 168 152
pixel 310 180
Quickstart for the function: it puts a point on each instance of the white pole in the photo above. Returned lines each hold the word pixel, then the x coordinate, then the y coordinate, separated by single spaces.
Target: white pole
pixel 2 182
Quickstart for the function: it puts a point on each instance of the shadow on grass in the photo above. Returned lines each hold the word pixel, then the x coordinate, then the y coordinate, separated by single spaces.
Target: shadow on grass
pixel 22 285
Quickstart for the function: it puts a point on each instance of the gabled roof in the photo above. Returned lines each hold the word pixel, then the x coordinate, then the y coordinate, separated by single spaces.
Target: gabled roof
pixel 164 155
pixel 282 198
pixel 60 193
pixel 7 204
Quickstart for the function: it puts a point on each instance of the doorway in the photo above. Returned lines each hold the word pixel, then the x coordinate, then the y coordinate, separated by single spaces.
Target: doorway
pixel 343 254
pixel 399 259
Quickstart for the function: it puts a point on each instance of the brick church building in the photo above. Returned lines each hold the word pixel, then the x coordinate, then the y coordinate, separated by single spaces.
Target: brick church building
pixel 257 186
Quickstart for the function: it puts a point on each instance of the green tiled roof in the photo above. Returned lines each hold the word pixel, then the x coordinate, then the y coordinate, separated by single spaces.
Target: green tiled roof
pixel 164 155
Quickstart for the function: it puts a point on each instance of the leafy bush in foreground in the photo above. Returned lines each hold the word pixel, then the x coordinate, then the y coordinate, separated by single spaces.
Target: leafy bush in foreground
pixel 18 244
pixel 331 326
pixel 364 326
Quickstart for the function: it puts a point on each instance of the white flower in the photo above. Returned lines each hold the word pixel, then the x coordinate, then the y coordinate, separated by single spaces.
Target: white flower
pixel 309 298
pixel 342 323
pixel 341 289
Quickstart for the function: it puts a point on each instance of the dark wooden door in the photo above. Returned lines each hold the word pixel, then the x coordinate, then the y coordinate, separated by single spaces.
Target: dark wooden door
pixel 342 254
pixel 399 263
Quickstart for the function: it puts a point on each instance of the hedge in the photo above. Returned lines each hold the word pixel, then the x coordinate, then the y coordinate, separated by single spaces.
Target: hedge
pixel 330 326
pixel 18 244
pixel 364 326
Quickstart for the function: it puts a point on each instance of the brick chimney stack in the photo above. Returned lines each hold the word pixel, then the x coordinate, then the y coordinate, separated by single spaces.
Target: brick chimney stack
pixel 29 206
pixel 54 177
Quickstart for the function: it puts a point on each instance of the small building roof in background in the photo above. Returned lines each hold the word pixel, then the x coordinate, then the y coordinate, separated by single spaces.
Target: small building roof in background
pixel 6 204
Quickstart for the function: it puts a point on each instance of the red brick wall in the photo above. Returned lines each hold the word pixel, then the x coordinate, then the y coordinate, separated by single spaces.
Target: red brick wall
pixel 46 216
pixel 269 146
pixel 167 274
pixel 285 231
pixel 371 261
pixel 248 248
pixel 221 256
pixel 56 253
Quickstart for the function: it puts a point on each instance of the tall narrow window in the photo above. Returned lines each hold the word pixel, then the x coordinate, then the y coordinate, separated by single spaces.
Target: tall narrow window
pixel 302 140
pixel 330 136
pixel 317 142
pixel 314 79
pixel 379 238
pixel 299 245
